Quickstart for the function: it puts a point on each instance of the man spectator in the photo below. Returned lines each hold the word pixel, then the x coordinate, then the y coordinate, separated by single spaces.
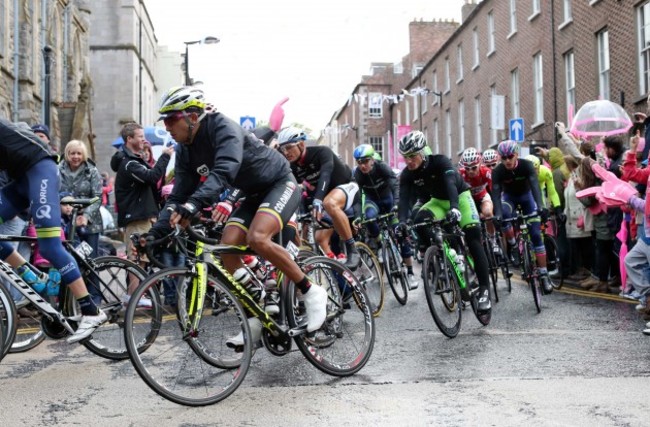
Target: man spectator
pixel 135 181
pixel 43 132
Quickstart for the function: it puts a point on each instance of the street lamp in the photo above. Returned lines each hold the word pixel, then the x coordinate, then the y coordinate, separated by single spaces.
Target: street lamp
pixel 205 40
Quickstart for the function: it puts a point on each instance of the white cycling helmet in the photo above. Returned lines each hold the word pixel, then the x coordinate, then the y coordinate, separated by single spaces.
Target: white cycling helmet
pixel 470 157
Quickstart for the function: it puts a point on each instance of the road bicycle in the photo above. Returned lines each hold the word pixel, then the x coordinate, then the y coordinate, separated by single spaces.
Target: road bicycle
pixel 58 320
pixel 449 277
pixel 391 258
pixel 529 270
pixel 189 361
pixel 369 272
pixel 494 251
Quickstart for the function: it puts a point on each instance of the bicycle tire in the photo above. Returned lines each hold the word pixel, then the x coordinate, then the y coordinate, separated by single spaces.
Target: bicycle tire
pixel 373 279
pixel 493 268
pixel 550 241
pixel 483 318
pixel 108 340
pixel 441 287
pixel 533 281
pixel 393 269
pixel 344 343
pixel 181 364
pixel 8 317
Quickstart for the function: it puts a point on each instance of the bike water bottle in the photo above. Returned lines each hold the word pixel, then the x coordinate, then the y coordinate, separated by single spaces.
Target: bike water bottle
pixel 258 268
pixel 244 278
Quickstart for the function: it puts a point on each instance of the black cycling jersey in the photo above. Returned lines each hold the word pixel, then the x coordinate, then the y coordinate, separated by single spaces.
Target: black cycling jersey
pixel 435 178
pixel 20 149
pixel 322 169
pixel 515 182
pixel 379 183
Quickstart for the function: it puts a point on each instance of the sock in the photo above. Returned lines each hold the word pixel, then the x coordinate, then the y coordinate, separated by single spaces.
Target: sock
pixel 88 307
pixel 304 285
pixel 409 269
pixel 543 270
pixel 350 245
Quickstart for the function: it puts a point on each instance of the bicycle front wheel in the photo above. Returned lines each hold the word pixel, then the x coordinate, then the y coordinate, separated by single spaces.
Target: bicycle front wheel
pixel 8 318
pixel 371 278
pixel 493 267
pixel 394 272
pixel 189 362
pixel 344 343
pixel 442 292
pixel 531 277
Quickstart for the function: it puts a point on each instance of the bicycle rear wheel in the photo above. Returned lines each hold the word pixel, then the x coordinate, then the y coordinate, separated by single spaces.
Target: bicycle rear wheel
pixel 187 365
pixel 8 318
pixel 553 260
pixel 442 292
pixel 394 272
pixel 343 345
pixel 531 277
pixel 371 278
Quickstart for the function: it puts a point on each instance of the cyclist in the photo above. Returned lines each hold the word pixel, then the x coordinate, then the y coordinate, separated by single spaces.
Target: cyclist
pixel 547 186
pixel 35 186
pixel 514 183
pixel 214 152
pixel 380 195
pixel 327 180
pixel 479 179
pixel 490 158
pixel 434 178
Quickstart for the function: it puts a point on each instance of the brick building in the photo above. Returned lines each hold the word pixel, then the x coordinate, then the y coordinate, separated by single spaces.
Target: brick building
pixel 538 56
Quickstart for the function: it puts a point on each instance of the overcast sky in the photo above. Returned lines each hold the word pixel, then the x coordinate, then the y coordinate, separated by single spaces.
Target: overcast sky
pixel 314 52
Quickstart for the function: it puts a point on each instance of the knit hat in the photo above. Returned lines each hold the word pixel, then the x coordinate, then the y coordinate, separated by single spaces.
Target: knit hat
pixel 41 128
pixel 556 159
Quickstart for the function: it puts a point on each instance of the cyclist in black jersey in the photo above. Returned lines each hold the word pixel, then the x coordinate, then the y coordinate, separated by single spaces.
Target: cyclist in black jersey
pixel 434 178
pixel 514 183
pixel 215 153
pixel 327 179
pixel 35 185
pixel 380 195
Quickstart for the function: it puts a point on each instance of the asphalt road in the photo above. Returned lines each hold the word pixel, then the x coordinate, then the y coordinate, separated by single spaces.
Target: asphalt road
pixel 581 361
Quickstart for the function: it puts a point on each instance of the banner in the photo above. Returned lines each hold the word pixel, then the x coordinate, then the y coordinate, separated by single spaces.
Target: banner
pixel 397 161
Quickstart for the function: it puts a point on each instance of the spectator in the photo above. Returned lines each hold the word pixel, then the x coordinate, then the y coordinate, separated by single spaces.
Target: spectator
pixel 107 189
pixel 579 239
pixel 43 132
pixel 134 186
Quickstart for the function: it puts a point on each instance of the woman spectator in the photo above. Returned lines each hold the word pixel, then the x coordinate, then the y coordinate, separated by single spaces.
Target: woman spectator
pixel 80 177
pixel 581 247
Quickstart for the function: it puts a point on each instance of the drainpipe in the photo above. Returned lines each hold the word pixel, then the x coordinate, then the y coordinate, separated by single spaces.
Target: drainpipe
pixel 140 68
pixel 44 19
pixel 66 50
pixel 554 64
pixel 16 60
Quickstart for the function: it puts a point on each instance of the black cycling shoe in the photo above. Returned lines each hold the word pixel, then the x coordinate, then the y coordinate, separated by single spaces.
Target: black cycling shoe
pixel 484 304
pixel 547 286
pixel 513 254
pixel 354 260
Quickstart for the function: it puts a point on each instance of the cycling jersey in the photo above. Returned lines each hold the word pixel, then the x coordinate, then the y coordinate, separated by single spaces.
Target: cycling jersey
pixel 479 184
pixel 436 178
pixel 20 149
pixel 320 169
pixel 545 178
pixel 379 183
pixel 515 182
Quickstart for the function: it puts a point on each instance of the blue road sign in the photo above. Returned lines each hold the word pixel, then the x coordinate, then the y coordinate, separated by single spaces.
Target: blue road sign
pixel 247 122
pixel 517 129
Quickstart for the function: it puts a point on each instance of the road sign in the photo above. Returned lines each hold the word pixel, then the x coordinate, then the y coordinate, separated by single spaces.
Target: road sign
pixel 517 129
pixel 247 122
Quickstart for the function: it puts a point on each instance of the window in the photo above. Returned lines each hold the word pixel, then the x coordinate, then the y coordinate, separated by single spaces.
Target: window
pixel 375 106
pixel 477 123
pixel 436 140
pixel 569 72
pixel 514 93
pixel 377 143
pixel 493 132
pixel 566 9
pixel 536 7
pixel 476 50
pixel 448 132
pixel 423 98
pixel 447 77
pixel 416 70
pixel 416 107
pixel 490 31
pixel 644 48
pixel 538 89
pixel 398 68
pixel 434 86
pixel 461 124
pixel 459 54
pixel 513 17
pixel 603 64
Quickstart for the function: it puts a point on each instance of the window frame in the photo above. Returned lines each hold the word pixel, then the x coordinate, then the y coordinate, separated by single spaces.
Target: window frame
pixel 538 89
pixel 604 70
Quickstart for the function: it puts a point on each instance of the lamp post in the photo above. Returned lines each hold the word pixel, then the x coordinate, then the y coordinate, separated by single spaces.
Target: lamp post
pixel 186 63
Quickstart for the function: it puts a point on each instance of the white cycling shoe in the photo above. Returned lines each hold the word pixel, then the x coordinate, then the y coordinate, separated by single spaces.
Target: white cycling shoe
pixel 315 300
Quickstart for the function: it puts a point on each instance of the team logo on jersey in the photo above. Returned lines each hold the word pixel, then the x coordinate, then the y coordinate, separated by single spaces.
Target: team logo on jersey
pixel 44 212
